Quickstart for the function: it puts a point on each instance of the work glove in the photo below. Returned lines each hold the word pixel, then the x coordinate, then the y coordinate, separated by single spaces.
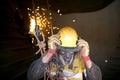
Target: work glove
pixel 84 51
pixel 53 40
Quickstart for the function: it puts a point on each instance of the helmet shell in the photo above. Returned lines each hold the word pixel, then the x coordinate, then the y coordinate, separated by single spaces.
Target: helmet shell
pixel 68 36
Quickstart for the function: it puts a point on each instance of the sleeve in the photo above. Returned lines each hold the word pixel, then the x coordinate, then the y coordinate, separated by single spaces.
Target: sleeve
pixel 94 73
pixel 36 70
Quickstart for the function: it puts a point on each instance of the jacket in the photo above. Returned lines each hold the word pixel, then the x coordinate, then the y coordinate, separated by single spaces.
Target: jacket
pixel 38 68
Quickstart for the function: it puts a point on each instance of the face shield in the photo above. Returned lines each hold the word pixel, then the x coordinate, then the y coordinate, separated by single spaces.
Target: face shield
pixel 67 53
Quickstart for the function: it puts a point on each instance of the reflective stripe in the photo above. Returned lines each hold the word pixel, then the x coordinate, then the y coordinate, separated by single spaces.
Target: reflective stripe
pixel 65 78
pixel 85 73
pixel 78 75
pixel 70 74
pixel 53 73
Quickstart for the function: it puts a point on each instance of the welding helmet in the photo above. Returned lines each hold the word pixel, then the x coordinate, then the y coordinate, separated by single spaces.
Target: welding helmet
pixel 68 37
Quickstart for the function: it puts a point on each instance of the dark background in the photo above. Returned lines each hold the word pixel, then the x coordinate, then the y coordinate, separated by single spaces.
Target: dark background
pixel 97 21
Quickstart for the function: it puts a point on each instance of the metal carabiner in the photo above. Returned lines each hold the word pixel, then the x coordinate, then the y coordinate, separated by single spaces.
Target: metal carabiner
pixel 41 44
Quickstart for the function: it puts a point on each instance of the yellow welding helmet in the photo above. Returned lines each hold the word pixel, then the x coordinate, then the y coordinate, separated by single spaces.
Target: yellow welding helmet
pixel 68 36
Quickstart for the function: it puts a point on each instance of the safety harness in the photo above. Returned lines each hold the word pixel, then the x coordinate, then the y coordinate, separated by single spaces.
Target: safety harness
pixel 57 71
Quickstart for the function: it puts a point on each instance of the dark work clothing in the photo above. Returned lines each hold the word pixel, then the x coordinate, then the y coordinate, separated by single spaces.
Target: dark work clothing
pixel 37 68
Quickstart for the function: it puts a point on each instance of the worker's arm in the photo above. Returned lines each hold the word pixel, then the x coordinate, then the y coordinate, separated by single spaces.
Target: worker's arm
pixel 37 68
pixel 93 73
pixel 92 70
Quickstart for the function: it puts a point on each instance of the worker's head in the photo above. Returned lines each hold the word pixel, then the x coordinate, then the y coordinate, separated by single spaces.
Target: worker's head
pixel 68 37
pixel 68 46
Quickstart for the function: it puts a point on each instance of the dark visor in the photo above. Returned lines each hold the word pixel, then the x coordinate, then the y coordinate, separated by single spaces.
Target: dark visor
pixel 67 49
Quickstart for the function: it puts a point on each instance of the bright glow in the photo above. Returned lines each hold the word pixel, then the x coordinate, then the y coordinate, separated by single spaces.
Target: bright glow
pixel 32 26
pixel 67 38
pixel 58 11
pixel 73 20
pixel 60 14
pixel 106 61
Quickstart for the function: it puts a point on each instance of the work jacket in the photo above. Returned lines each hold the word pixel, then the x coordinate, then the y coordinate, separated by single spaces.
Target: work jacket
pixel 56 71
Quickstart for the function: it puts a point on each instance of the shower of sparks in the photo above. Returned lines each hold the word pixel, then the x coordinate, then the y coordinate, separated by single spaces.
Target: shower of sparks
pixel 41 18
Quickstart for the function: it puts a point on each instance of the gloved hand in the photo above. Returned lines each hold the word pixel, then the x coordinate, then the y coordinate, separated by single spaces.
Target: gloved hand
pixel 84 47
pixel 84 52
pixel 54 39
